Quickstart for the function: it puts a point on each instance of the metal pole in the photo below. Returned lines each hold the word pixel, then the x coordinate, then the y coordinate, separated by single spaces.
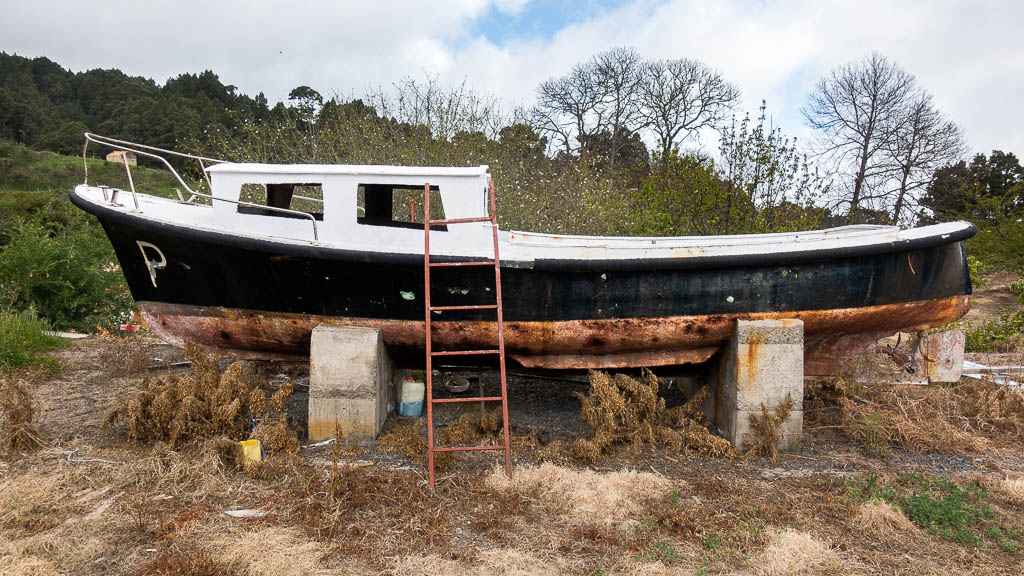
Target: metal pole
pixel 501 335
pixel 131 183
pixel 426 306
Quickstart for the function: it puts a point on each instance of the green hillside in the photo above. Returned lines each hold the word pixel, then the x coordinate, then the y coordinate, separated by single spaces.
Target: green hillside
pixel 25 170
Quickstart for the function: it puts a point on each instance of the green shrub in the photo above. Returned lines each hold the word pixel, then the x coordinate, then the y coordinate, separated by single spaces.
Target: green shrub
pixel 17 206
pixel 22 338
pixel 1017 287
pixel 978 270
pixel 1002 334
pixel 59 262
pixel 999 244
pixel 941 507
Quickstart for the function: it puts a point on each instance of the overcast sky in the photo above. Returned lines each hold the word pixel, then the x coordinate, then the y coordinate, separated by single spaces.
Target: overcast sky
pixel 968 54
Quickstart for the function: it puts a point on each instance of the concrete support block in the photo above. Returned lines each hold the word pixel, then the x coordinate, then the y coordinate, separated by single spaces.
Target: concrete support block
pixel 351 382
pixel 763 364
pixel 940 356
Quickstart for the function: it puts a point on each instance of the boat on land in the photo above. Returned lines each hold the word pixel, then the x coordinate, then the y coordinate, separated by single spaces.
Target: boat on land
pixel 249 268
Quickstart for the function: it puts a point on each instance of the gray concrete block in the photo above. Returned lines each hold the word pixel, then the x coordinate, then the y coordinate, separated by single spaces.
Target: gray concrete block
pixel 940 356
pixel 351 382
pixel 761 365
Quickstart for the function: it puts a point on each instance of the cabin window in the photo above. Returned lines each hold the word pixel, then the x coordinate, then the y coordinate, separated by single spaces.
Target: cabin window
pixel 398 206
pixel 302 197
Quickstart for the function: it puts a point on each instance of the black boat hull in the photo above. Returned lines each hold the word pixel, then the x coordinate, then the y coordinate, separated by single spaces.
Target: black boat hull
pixel 260 299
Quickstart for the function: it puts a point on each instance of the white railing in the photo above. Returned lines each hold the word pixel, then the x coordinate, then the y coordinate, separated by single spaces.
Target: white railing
pixel 137 149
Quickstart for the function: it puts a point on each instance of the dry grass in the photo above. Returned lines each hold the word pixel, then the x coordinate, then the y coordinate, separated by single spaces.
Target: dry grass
pixel 584 495
pixel 187 562
pixel 488 562
pixel 961 418
pixel 622 410
pixel 63 517
pixel 703 515
pixel 124 356
pixel 883 521
pixel 17 434
pixel 405 439
pixel 474 426
pixel 791 552
pixel 1012 489
pixel 767 428
pixel 370 513
pixel 272 551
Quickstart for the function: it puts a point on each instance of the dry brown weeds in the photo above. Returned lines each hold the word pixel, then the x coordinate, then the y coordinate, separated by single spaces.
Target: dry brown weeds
pixel 767 426
pixel 186 562
pixel 405 439
pixel 961 418
pixel 204 404
pixel 472 427
pixel 17 433
pixel 125 357
pixel 207 403
pixel 370 513
pixel 622 410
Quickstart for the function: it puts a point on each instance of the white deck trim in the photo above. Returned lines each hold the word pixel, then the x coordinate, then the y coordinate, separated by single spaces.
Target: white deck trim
pixel 461 239
pixel 416 172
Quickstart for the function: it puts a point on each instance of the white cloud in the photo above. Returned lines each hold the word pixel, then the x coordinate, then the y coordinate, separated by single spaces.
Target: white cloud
pixel 512 7
pixel 967 54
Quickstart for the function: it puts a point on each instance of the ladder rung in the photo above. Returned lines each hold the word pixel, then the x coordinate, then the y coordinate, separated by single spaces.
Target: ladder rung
pixel 465 307
pixel 467 448
pixel 462 220
pixel 460 264
pixel 464 352
pixel 476 399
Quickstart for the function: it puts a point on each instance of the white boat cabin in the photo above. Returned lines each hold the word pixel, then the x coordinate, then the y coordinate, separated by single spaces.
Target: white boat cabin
pixel 368 208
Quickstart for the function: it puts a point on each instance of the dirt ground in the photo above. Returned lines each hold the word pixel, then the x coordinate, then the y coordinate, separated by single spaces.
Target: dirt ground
pixel 992 299
pixel 91 502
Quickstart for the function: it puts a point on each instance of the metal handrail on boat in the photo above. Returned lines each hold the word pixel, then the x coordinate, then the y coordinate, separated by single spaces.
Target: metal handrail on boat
pixel 134 148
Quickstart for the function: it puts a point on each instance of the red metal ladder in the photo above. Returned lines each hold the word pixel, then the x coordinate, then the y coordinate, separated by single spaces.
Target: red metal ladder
pixel 431 353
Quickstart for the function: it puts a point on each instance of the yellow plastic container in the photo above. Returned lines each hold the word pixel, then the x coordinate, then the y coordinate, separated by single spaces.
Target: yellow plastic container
pixel 252 453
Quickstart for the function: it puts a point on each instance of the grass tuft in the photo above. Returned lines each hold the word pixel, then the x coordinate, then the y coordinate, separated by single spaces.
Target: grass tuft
pixel 23 338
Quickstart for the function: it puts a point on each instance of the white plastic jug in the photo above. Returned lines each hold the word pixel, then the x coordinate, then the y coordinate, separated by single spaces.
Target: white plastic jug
pixel 411 402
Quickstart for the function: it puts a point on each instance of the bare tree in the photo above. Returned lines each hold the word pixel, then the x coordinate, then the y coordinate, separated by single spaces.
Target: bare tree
pixel 569 109
pixel 924 141
pixel 618 73
pixel 857 110
pixel 679 97
pixel 445 110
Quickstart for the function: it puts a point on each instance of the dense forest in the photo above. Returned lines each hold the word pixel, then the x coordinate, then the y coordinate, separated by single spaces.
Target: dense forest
pixel 46 107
